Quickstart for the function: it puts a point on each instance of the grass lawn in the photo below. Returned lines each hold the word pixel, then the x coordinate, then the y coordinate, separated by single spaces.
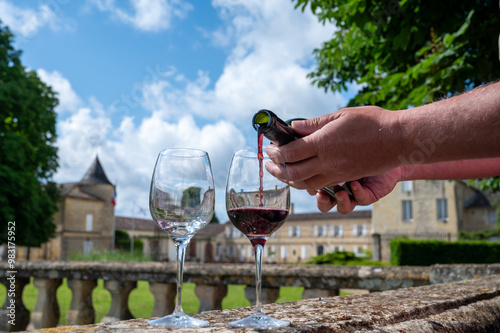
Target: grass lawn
pixel 141 299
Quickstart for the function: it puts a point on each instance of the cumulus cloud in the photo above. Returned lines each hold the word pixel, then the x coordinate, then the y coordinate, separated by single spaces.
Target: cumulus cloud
pixel 68 99
pixel 147 15
pixel 270 53
pixel 26 22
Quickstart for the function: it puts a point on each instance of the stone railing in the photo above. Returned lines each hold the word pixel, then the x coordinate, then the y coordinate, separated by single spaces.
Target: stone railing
pixel 211 280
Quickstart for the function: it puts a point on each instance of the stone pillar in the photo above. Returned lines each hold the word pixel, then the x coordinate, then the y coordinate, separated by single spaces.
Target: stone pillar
pixel 120 290
pixel 267 295
pixel 15 316
pixel 164 295
pixel 46 312
pixel 210 296
pixel 81 311
pixel 377 248
pixel 316 293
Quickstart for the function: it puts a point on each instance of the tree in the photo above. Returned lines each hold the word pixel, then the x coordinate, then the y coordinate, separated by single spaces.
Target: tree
pixel 28 158
pixel 407 52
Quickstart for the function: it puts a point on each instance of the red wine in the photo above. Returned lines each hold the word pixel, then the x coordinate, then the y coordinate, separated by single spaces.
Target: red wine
pixel 260 156
pixel 257 223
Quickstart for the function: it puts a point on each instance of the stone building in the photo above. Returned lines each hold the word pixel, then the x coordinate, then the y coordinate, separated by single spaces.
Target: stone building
pixel 304 236
pixel 429 209
pixel 84 221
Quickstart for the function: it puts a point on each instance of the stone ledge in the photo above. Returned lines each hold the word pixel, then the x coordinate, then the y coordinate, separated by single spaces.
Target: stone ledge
pixel 467 306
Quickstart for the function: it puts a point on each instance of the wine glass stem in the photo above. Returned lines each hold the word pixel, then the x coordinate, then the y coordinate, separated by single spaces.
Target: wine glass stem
pixel 258 249
pixel 181 254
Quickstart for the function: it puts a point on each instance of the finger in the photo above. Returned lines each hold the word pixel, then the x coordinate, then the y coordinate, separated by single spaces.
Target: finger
pixel 276 171
pixel 344 204
pixel 306 127
pixel 295 151
pixel 361 194
pixel 311 192
pixel 324 201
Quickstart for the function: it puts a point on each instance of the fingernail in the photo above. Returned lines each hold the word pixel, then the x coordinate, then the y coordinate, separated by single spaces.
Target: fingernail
pixel 339 199
pixel 354 188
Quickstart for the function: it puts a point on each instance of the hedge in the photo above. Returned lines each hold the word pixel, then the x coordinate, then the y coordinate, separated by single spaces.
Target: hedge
pixel 411 252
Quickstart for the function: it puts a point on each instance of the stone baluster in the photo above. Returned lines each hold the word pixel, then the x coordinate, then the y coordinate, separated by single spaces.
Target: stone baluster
pixel 316 293
pixel 15 316
pixel 46 312
pixel 267 295
pixel 81 311
pixel 120 290
pixel 210 296
pixel 164 296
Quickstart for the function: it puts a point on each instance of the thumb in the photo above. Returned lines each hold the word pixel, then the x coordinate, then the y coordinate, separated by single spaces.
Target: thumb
pixel 308 126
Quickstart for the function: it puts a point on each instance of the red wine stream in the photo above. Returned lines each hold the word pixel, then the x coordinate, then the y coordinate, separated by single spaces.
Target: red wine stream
pixel 260 137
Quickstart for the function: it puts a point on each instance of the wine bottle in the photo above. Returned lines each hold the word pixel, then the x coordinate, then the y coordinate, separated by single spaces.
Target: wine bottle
pixel 280 132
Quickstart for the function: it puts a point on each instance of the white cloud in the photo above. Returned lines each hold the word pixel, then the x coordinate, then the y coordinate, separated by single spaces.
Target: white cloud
pixel 147 15
pixel 26 22
pixel 266 68
pixel 68 99
pixel 270 56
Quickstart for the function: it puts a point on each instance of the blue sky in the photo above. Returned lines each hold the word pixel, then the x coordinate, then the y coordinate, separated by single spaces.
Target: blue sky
pixel 138 76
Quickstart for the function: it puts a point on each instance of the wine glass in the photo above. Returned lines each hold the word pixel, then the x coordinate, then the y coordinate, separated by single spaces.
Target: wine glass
pixel 181 201
pixel 257 204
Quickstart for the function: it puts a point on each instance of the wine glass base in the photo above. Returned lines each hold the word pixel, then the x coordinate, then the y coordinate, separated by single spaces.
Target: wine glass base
pixel 259 320
pixel 178 319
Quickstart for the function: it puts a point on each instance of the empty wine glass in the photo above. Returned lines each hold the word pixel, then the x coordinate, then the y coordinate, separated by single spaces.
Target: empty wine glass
pixel 257 204
pixel 181 202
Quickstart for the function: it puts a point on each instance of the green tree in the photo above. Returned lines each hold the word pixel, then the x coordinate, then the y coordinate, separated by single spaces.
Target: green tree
pixel 407 52
pixel 28 158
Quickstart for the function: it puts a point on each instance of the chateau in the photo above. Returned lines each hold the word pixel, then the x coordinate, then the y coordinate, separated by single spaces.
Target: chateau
pixel 84 221
pixel 415 209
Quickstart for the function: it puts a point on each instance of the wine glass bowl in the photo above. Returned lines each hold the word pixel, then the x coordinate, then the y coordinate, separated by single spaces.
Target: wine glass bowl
pixel 181 202
pixel 257 204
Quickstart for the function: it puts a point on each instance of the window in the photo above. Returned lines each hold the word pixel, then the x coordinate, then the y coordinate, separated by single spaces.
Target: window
pixel 322 231
pixel 492 216
pixel 407 186
pixel 303 252
pixel 442 209
pixel 89 220
pixel 272 251
pixel 355 230
pixel 362 230
pixel 320 250
pixel 339 231
pixel 407 210
pixel 88 245
pixel 294 231
pixel 283 252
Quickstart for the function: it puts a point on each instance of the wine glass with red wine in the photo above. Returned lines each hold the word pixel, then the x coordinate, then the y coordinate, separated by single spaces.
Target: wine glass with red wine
pixel 181 201
pixel 257 204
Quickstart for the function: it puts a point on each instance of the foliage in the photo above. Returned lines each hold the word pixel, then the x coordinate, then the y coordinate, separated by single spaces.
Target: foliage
pixel 411 252
pixel 479 235
pixel 29 158
pixel 123 242
pixel 117 255
pixel 215 219
pixel 407 52
pixel 343 258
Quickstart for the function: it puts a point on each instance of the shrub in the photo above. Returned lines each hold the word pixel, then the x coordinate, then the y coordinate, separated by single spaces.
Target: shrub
pixel 411 252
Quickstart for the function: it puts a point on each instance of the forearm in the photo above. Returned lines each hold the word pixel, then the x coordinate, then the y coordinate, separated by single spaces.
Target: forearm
pixel 465 169
pixel 462 127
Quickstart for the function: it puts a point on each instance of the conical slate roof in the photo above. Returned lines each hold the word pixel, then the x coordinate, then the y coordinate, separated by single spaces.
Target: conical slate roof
pixel 95 174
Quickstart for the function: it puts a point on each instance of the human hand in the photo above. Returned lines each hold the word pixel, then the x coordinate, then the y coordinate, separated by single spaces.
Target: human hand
pixel 345 145
pixel 371 190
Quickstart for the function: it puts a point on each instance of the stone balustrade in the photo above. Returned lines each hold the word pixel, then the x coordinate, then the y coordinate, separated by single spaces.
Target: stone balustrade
pixel 211 280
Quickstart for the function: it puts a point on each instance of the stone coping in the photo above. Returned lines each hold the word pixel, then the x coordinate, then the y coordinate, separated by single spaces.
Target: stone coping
pixel 374 278
pixel 466 306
